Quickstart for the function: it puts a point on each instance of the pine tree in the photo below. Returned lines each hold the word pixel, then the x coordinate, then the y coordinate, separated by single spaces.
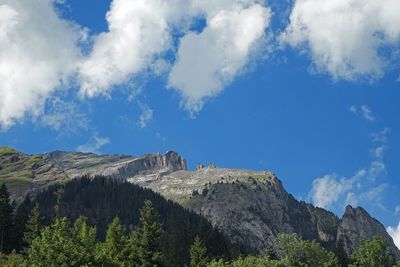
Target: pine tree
pixel 14 260
pixel 341 254
pixel 55 246
pixel 33 225
pixel 149 237
pixel 112 250
pixel 58 194
pixel 198 253
pixel 5 219
pixel 85 238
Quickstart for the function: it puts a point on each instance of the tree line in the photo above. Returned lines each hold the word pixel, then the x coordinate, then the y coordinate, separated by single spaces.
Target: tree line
pixel 65 242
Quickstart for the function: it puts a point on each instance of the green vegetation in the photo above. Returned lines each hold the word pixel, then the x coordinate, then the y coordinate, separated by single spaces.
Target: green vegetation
pixel 6 151
pixel 163 234
pixel 372 253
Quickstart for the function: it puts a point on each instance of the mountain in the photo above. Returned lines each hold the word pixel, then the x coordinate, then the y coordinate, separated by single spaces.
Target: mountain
pixel 24 173
pixel 250 207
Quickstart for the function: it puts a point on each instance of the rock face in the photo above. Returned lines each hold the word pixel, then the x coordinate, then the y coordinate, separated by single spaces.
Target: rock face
pixel 24 173
pixel 357 225
pixel 251 207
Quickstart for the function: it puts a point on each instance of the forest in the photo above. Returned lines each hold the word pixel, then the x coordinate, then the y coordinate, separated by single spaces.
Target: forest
pixel 105 222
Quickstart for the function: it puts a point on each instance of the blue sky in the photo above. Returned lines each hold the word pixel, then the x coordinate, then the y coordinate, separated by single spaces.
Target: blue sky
pixel 320 112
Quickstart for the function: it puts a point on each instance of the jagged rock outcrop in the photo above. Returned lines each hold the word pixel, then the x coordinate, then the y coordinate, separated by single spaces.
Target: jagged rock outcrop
pixel 356 225
pixel 250 207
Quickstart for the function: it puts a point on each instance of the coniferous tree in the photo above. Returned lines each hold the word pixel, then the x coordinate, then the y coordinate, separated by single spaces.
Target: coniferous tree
pixel 149 237
pixel 33 226
pixel 55 246
pixel 14 260
pixel 5 219
pixel 58 194
pixel 85 238
pixel 198 253
pixel 112 250
pixel 341 254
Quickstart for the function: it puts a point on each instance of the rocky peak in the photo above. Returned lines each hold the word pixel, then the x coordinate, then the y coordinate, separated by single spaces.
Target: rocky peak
pixel 173 162
pixel 357 224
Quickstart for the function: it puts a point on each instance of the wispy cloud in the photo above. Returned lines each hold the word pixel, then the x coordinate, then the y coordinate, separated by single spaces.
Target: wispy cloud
pixel 146 116
pixel 94 144
pixel 382 136
pixel 364 112
pixel 363 187
pixel 64 117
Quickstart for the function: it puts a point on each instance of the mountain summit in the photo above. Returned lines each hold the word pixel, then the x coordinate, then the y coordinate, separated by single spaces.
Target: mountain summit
pixel 250 207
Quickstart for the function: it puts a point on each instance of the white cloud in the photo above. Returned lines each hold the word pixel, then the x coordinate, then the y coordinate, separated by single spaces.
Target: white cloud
pixel 327 190
pixel 362 187
pixel 397 210
pixel 379 151
pixel 395 234
pixel 382 136
pixel 372 196
pixel 364 112
pixel 94 144
pixel 344 37
pixel 38 52
pixel 376 170
pixel 64 116
pixel 145 117
pixel 210 60
pixel 139 31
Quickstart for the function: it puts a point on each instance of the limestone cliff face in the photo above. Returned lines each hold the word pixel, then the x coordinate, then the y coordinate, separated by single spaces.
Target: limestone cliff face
pixel 25 173
pixel 357 225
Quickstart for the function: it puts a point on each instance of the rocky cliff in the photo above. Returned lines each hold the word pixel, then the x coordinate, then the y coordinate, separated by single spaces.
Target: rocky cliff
pixel 250 207
pixel 25 173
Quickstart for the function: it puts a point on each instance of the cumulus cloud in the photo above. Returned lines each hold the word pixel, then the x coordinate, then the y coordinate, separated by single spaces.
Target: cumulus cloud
pixel 394 232
pixel 146 116
pixel 38 52
pixel 345 37
pixel 210 60
pixel 140 32
pixel 94 144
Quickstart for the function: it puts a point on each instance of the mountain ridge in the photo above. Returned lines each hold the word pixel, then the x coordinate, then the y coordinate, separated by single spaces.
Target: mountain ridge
pixel 250 207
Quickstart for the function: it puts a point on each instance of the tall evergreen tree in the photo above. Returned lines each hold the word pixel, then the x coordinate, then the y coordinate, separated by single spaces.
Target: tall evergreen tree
pixel 112 250
pixel 85 238
pixel 5 219
pixel 33 225
pixel 58 194
pixel 149 237
pixel 198 253
pixel 341 254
